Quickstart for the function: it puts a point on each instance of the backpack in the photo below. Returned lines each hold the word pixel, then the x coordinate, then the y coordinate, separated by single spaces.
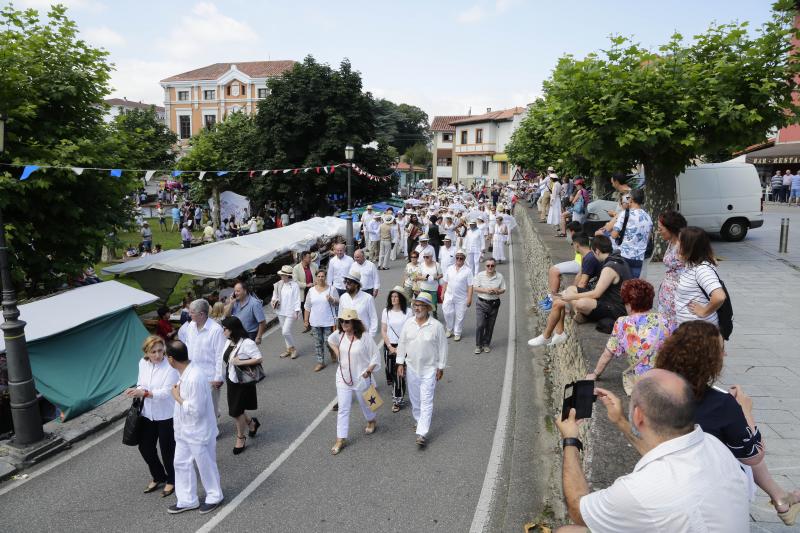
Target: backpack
pixel 725 312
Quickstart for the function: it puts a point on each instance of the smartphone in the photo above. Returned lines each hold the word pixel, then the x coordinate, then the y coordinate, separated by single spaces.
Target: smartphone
pixel 578 395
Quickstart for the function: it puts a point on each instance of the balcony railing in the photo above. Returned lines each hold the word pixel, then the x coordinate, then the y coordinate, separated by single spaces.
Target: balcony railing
pixel 475 148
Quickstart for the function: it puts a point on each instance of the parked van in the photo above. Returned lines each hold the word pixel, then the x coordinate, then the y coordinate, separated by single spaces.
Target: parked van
pixel 724 198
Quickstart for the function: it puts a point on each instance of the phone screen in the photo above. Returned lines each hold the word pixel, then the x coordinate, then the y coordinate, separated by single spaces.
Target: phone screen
pixel 584 398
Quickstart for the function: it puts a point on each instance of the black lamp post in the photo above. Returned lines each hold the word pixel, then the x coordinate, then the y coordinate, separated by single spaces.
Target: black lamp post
pixel 348 155
pixel 24 404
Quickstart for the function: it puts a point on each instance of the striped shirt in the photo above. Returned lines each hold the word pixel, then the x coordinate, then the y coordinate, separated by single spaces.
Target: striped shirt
pixel 689 289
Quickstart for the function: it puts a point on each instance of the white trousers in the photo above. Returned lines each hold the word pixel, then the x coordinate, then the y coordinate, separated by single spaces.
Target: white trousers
pixel 474 262
pixel 385 250
pixel 420 390
pixel 454 310
pixel 498 248
pixel 286 329
pixel 345 396
pixel 393 254
pixel 205 457
pixel 215 392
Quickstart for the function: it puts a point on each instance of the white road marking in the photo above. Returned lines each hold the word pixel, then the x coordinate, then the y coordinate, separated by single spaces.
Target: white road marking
pixel 263 476
pixel 480 521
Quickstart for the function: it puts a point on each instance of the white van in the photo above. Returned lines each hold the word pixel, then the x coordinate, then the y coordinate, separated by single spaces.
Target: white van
pixel 724 198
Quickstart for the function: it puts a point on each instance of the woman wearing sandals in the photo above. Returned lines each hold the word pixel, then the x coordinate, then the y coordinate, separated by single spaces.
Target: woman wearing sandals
pixel 319 315
pixel 154 385
pixel 393 319
pixel 240 351
pixel 358 359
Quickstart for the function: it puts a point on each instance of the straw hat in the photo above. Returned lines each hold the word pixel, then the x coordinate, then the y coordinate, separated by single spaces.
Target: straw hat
pixel 388 218
pixel 353 275
pixel 348 314
pixel 399 290
pixel 425 298
pixel 285 270
pixel 461 251
pixel 424 238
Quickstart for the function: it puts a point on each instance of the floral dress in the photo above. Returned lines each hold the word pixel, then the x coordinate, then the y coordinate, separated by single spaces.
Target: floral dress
pixel 666 291
pixel 639 336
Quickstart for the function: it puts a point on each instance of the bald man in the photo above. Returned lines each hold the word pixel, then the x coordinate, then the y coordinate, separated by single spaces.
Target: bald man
pixel 686 480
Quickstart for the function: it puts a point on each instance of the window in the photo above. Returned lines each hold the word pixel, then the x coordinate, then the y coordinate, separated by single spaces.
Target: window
pixel 444 162
pixel 209 121
pixel 478 136
pixel 185 126
pixel 183 96
pixel 503 168
pixel 244 90
pixel 208 95
pixel 262 93
pixel 470 168
pixel 233 89
pixel 484 167
pixel 447 137
pixel 463 137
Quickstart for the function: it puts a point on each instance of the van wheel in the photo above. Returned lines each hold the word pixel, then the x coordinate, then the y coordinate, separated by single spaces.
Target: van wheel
pixel 734 230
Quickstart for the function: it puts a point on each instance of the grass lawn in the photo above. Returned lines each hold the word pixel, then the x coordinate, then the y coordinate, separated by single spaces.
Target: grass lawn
pixel 168 240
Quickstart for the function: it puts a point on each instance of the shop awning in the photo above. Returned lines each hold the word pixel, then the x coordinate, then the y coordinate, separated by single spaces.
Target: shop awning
pixel 780 154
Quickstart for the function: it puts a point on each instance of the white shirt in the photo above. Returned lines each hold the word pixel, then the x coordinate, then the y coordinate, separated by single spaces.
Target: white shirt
pixel 474 241
pixel 337 268
pixel 205 348
pixel 394 322
pixel 420 249
pixel 320 310
pixel 447 257
pixel 354 357
pixel 458 282
pixel 364 304
pixel 157 379
pixel 429 283
pixel 245 349
pixel 374 228
pixel 288 298
pixel 194 421
pixel 369 274
pixel 423 348
pixel 690 484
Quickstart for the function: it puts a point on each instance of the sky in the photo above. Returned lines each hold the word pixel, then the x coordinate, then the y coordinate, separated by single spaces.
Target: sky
pixel 444 56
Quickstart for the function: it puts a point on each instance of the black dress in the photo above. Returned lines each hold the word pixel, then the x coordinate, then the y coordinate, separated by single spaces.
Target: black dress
pixel 241 397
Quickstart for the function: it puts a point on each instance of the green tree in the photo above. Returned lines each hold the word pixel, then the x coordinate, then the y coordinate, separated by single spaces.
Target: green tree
pixel 52 86
pixel 142 140
pixel 401 126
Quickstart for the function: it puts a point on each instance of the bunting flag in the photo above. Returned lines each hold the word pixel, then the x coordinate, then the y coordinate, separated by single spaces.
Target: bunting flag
pixel 264 172
pixel 77 170
pixel 176 173
pixel 117 173
pixel 252 173
pixel 149 175
pixel 202 173
pixel 220 172
pixel 27 171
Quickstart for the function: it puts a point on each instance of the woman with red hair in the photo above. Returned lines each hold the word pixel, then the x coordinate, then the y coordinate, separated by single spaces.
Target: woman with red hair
pixel 639 334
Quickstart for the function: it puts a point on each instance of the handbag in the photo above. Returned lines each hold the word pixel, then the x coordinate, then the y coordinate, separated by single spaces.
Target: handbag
pixel 133 423
pixel 372 397
pixel 249 374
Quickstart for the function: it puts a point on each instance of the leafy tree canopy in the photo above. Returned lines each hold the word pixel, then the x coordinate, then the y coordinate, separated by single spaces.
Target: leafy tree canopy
pixel 401 126
pixel 142 140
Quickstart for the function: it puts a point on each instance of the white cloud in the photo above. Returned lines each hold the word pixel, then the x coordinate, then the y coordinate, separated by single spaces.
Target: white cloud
pixel 471 15
pixel 104 36
pixel 501 6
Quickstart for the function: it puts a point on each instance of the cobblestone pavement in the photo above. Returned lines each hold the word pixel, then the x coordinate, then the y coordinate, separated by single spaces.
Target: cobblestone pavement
pixel 763 356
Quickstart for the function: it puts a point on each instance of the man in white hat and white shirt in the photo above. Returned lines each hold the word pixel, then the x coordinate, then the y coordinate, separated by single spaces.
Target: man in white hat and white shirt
pixel 385 233
pixel 366 218
pixel 338 266
pixel 424 246
pixel 363 303
pixel 205 343
pixel 474 245
pixel 374 231
pixel 447 253
pixel 457 288
pixel 370 281
pixel 421 358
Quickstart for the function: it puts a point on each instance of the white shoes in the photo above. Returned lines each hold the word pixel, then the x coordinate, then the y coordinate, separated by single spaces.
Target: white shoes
pixel 448 333
pixel 558 339
pixel 541 340
pixel 555 340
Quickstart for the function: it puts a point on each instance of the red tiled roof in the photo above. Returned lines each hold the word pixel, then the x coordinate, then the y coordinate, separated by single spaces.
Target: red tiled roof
pixel 124 102
pixel 442 123
pixel 497 116
pixel 254 69
pixel 402 165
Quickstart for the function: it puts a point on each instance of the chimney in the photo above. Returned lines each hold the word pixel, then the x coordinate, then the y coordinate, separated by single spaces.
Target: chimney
pixel 488 109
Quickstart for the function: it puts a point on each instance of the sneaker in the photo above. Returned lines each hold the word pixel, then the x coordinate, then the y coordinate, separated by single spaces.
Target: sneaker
pixel 546 304
pixel 456 338
pixel 174 509
pixel 448 333
pixel 421 441
pixel 558 338
pixel 206 508
pixel 477 350
pixel 541 340
pixel 486 349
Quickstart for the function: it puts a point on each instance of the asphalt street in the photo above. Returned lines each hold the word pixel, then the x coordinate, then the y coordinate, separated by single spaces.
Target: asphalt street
pixel 287 480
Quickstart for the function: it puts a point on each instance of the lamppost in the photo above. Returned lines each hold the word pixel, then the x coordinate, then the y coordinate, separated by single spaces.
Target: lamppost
pixel 24 404
pixel 348 155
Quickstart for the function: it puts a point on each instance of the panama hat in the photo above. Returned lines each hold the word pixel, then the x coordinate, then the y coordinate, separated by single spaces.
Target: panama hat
pixel 446 238
pixel 353 275
pixel 425 298
pixel 348 314
pixel 285 270
pixel 388 218
pixel 424 238
pixel 460 251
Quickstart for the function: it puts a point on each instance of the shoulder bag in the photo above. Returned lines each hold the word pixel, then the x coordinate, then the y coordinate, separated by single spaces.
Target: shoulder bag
pixel 133 423
pixel 725 312
pixel 248 374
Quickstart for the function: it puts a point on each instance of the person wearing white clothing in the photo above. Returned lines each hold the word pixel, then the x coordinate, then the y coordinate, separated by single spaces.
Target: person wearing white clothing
pixel 447 253
pixel 424 246
pixel 499 240
pixel 686 481
pixel 421 359
pixel 196 431
pixel 286 302
pixel 366 219
pixel 338 266
pixel 363 303
pixel 319 316
pixel 387 238
pixel 373 229
pixel 457 289
pixel 474 245
pixel 370 281
pixel 205 340
pixel 154 387
pixel 358 359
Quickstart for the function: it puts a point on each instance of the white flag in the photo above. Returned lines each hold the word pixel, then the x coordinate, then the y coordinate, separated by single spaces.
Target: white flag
pixel 77 170
pixel 264 172
pixel 149 175
pixel 202 173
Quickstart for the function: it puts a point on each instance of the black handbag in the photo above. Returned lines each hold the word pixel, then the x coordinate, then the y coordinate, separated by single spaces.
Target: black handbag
pixel 133 423
pixel 249 374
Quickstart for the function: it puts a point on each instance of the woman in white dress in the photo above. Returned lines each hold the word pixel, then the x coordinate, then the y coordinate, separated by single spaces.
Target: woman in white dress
pixel 358 359
pixel 393 319
pixel 499 240
pixel 554 214
pixel 286 302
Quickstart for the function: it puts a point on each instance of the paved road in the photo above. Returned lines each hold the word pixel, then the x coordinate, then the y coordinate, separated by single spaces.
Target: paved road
pixel 379 482
pixel 762 353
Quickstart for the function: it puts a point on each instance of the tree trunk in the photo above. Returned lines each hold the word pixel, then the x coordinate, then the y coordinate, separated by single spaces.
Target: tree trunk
pixel 217 222
pixel 660 195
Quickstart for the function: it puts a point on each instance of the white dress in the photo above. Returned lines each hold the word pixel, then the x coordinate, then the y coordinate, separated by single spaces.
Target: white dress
pixel 498 242
pixel 554 214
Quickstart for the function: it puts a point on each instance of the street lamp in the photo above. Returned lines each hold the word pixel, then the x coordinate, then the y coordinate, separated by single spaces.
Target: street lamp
pixel 349 152
pixel 24 403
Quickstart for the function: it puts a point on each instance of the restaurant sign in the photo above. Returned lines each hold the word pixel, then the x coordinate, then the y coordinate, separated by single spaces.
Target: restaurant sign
pixel 775 160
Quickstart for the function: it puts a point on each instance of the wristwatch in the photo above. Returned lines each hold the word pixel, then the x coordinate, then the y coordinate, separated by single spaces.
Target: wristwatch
pixel 572 441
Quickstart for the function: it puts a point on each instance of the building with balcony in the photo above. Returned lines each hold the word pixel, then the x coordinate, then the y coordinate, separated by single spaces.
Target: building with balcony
pixel 202 97
pixel 442 148
pixel 479 144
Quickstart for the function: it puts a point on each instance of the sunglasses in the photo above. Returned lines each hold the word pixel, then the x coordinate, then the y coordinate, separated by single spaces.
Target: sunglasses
pixel 460 258
pixel 489 266
pixel 346 321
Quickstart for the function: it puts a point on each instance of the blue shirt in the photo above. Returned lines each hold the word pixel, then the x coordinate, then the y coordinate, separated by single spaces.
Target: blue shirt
pixel 251 313
pixel 637 233
pixel 796 181
pixel 176 213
